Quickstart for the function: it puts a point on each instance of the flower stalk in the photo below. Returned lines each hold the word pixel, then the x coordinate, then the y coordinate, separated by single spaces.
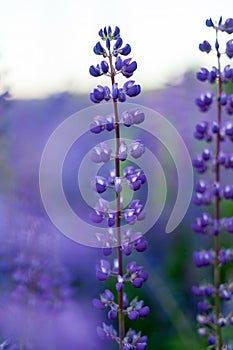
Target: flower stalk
pixel 211 319
pixel 122 215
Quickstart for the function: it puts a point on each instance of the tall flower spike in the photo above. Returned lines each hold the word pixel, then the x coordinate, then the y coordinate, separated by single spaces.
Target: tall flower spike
pixel 125 240
pixel 213 315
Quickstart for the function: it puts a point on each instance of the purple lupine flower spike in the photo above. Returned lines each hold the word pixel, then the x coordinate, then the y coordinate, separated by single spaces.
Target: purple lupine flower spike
pixel 213 313
pixel 112 49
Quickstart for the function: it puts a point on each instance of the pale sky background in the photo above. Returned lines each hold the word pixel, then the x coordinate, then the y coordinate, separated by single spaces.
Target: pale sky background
pixel 46 46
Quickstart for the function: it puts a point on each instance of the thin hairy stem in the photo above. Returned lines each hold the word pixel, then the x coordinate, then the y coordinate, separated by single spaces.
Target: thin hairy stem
pixel 217 277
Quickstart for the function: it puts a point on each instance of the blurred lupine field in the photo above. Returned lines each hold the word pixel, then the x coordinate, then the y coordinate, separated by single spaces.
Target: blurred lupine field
pixel 48 281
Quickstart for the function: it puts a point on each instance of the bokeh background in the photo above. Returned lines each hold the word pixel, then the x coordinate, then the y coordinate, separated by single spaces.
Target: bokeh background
pixel 47 282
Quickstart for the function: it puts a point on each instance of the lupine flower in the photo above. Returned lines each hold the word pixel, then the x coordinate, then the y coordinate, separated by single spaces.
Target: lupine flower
pixel 101 153
pixel 204 101
pixel 212 317
pixel 205 46
pixel 229 48
pixel 125 240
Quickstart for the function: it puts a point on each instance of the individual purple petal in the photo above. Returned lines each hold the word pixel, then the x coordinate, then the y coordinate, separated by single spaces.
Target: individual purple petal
pixel 98 304
pixel 127 250
pixel 101 184
pixel 137 282
pixel 202 75
pixel 144 311
pixel 109 123
pixel 99 50
pixel 141 244
pixel 103 270
pixel 118 63
pixel 205 46
pixel 132 67
pixel 99 93
pixel 127 118
pixel 104 67
pixel 122 95
pixel 116 33
pixel 141 346
pixel 135 185
pixel 223 98
pixel 118 43
pixel 130 217
pixel 228 26
pixel 97 218
pixel 112 314
pixel 93 99
pixel 209 23
pixel 118 184
pixel 130 267
pixel 123 150
pixel 228 72
pixel 213 74
pixel 97 125
pixel 96 154
pixel 111 219
pixel 108 45
pixel 94 71
pixel 107 251
pixel 138 117
pixel 136 149
pixel 133 315
pixel 212 340
pixel 229 48
pixel 119 286
pixel 115 91
pixel 128 84
pixel 125 50
pixel 144 275
pixel 133 91
pixel 107 93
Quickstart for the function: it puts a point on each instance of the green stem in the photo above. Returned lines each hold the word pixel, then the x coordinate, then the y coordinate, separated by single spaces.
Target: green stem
pixel 217 276
pixel 121 319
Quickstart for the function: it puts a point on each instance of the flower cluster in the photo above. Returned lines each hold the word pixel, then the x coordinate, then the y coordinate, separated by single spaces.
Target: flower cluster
pixel 128 118
pixel 129 241
pixel 113 43
pixel 103 153
pixel 118 234
pixel 35 285
pixel 213 316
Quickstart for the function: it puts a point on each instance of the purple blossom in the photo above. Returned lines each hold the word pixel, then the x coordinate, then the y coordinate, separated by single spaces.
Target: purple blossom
pixel 123 151
pixel 101 153
pixel 211 318
pixel 100 93
pixel 97 125
pixel 205 46
pixel 131 89
pixel 228 26
pixel 103 270
pixel 99 50
pixel 229 48
pixel 204 101
pixel 136 149
pixel 203 258
pixel 126 240
pixel 203 74
pixel 132 116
